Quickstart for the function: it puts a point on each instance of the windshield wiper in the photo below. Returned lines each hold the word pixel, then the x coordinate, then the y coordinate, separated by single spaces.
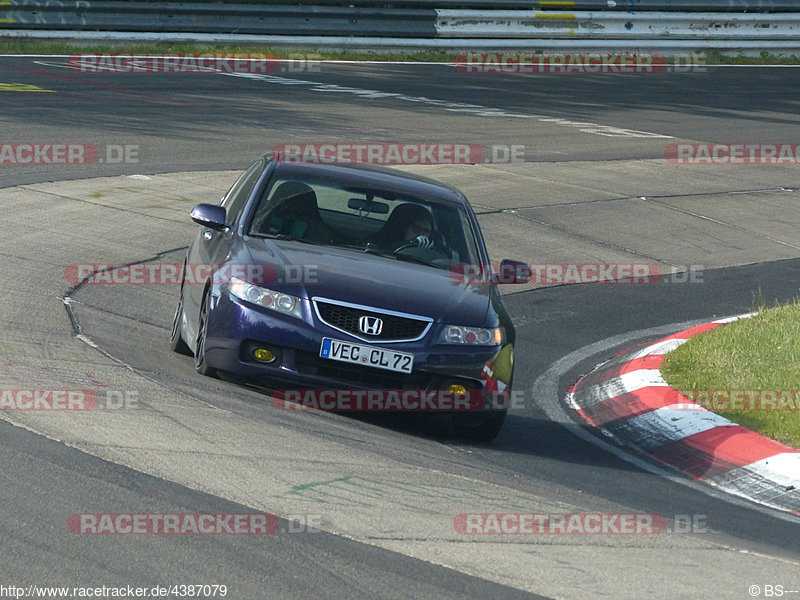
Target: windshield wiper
pixel 414 259
pixel 377 251
pixel 279 236
pixel 372 249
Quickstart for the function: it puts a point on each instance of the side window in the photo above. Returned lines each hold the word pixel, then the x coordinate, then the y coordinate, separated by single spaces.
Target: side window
pixel 237 196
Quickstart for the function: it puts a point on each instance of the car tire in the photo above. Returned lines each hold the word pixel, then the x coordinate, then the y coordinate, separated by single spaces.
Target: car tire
pixel 200 364
pixel 479 429
pixel 176 342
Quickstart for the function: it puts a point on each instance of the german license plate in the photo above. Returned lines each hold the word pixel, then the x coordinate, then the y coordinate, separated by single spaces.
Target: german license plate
pixel 368 356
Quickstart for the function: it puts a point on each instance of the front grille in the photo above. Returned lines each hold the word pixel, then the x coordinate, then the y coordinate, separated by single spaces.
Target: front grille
pixel 395 328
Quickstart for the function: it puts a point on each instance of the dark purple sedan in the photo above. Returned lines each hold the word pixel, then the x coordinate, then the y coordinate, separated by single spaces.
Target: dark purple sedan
pixel 348 282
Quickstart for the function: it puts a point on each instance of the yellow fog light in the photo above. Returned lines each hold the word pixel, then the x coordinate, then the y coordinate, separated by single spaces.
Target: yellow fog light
pixel 458 391
pixel 264 355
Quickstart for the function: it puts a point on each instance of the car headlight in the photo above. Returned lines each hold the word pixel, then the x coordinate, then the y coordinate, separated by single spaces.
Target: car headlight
pixel 278 301
pixel 471 336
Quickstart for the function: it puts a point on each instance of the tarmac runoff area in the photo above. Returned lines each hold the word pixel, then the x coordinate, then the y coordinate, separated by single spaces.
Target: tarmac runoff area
pixel 590 213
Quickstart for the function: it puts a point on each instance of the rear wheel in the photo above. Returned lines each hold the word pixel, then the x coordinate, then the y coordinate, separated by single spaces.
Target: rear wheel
pixel 200 363
pixel 176 342
pixel 481 427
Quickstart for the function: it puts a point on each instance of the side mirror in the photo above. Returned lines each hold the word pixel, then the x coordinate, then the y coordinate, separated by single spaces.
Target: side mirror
pixel 209 215
pixel 513 271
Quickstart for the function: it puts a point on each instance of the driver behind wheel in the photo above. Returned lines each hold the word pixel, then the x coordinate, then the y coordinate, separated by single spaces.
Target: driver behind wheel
pixel 409 225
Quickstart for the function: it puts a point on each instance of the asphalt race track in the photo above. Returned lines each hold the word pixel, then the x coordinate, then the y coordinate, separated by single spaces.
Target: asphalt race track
pixel 384 491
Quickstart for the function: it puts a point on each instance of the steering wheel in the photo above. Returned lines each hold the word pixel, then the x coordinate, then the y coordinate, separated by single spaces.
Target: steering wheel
pixel 422 242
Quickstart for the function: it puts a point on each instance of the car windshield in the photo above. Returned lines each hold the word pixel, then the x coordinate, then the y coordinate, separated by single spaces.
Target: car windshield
pixel 372 221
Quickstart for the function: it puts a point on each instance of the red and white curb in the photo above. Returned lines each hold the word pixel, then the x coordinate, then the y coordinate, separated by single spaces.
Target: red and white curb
pixel 628 400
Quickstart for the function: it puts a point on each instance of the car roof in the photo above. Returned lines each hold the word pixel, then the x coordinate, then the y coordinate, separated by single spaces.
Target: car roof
pixel 372 176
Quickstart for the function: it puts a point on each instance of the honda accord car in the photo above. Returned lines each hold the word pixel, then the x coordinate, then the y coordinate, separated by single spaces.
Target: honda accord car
pixel 349 277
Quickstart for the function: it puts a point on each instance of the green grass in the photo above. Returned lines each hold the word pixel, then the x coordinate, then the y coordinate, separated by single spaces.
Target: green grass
pixel 33 46
pixel 28 46
pixel 765 58
pixel 761 353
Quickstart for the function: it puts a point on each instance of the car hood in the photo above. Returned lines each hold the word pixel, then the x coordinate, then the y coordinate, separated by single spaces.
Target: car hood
pixel 370 280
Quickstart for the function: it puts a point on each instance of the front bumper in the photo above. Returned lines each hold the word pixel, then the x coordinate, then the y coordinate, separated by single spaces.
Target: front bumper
pixel 235 328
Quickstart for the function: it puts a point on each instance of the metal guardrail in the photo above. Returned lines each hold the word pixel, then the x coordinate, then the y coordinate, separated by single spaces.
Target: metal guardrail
pixel 619 25
pixel 240 19
pixel 550 24
pixel 232 6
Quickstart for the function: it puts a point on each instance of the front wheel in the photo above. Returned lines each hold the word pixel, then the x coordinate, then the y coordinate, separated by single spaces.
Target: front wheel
pixel 200 363
pixel 176 342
